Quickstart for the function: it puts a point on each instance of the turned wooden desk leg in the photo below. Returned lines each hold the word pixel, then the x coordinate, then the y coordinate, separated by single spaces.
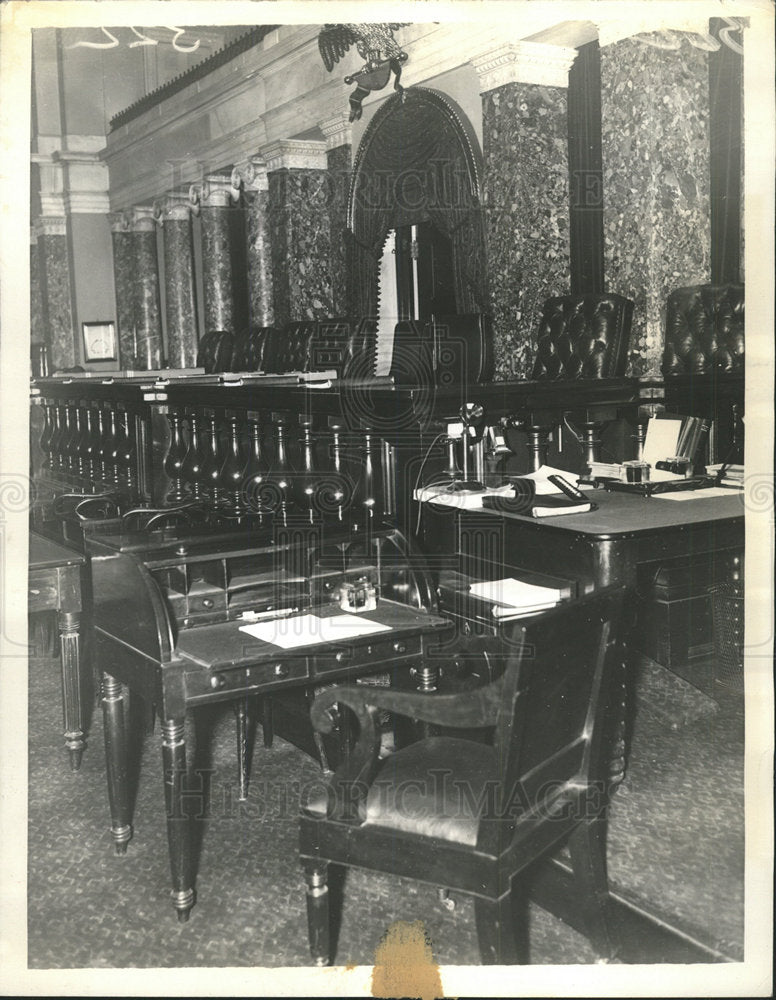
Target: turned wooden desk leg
pixel 241 720
pixel 116 761
pixel 69 642
pixel 178 826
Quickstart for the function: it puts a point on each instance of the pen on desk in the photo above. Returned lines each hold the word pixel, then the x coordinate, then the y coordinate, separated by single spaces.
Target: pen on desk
pixel 253 616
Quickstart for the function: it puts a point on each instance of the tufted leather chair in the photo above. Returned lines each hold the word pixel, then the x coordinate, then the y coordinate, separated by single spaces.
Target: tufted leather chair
pixel 215 351
pixel 463 348
pixel 249 349
pixel 704 330
pixel 412 362
pixel 333 345
pixel 540 783
pixel 583 336
pixel 288 350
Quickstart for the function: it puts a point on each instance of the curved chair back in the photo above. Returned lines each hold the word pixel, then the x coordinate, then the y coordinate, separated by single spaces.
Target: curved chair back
pixel 704 329
pixel 583 336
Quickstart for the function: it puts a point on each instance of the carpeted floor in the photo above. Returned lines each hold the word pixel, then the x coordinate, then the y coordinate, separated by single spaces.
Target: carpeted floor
pixel 676 844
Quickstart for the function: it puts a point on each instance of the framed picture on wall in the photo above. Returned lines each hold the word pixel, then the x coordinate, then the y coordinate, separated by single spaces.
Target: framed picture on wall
pixel 99 341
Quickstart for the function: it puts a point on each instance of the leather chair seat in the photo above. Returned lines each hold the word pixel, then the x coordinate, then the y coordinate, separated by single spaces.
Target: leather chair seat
pixel 704 329
pixel 403 797
pixel 583 336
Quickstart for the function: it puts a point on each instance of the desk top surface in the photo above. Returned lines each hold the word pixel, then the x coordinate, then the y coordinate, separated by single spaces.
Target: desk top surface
pixel 626 514
pixel 45 554
pixel 225 645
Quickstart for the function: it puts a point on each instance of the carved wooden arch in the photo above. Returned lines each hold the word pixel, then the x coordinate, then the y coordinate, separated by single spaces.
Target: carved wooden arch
pixel 419 159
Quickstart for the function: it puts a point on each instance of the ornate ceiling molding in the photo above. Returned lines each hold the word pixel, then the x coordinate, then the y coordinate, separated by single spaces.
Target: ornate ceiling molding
pixel 524 62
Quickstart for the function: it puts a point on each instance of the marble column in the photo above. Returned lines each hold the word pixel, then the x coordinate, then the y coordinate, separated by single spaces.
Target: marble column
pixel 124 278
pixel 261 310
pixel 56 292
pixel 181 309
pixel 655 145
pixel 298 206
pixel 525 191
pixel 339 161
pixel 217 277
pixel 140 284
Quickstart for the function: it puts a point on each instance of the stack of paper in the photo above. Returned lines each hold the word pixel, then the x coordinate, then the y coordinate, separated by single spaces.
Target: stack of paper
pixel 515 598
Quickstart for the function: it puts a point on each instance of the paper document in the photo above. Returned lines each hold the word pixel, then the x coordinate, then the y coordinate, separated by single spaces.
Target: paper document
pixel 541 479
pixel 305 630
pixel 712 491
pixel 464 499
pixel 661 442
pixel 516 595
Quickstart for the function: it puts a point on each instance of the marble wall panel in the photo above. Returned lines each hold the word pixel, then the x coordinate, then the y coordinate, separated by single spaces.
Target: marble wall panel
pixel 340 167
pixel 55 282
pixel 181 311
pixel 259 258
pixel 147 309
pixel 526 210
pixel 301 244
pixel 124 280
pixel 37 322
pixel 217 268
pixel 655 144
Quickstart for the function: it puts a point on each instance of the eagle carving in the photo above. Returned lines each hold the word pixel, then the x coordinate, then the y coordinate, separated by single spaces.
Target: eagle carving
pixel 375 44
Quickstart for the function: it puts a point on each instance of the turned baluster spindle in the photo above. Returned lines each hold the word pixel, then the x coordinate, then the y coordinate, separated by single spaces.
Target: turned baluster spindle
pixel 342 492
pixel 282 473
pixel 211 463
pixel 191 468
pixel 55 441
pixel 371 499
pixel 90 446
pixel 306 481
pixel 82 443
pixel 233 470
pixel 47 434
pixel 176 454
pixel 255 475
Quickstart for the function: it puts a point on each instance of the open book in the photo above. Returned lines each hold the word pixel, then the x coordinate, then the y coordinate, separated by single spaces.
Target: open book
pixel 536 495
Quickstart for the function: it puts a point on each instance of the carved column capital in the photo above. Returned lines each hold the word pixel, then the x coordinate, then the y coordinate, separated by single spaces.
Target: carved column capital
pixel 143 219
pixel 295 154
pixel 51 225
pixel 338 130
pixel 252 174
pixel 218 191
pixel 120 222
pixel 177 206
pixel 524 62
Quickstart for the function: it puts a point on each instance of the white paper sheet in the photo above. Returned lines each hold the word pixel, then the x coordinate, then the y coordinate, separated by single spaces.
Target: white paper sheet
pixel 516 593
pixel 305 630
pixel 712 491
pixel 661 440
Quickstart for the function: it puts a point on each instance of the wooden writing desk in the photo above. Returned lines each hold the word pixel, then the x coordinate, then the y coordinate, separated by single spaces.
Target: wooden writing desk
pixel 54 584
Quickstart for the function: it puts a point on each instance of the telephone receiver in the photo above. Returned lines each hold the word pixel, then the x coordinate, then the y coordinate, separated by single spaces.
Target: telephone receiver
pixel 473 419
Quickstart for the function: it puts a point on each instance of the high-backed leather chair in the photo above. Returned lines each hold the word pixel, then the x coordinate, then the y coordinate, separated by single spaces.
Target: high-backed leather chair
pixel 704 329
pixel 462 349
pixel 249 349
pixel 215 351
pixel 412 362
pixel 473 816
pixel 288 349
pixel 583 336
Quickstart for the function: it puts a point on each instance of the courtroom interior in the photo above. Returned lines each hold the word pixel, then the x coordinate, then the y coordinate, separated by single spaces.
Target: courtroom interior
pixel 387 423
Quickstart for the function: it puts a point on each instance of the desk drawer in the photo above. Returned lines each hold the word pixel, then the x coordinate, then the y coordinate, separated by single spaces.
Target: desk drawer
pixel 203 684
pixel 42 596
pixel 377 652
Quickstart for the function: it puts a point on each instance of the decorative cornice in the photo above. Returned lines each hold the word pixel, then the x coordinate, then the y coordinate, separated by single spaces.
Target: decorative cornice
pixel 51 225
pixel 524 62
pixel 338 130
pixel 88 202
pixel 143 219
pixel 295 154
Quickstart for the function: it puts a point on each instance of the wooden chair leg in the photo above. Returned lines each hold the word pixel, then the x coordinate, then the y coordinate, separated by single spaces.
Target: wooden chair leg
pixel 317 875
pixel 496 931
pixel 587 847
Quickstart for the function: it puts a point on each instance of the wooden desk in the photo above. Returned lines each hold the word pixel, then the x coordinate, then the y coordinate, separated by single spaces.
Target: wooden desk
pixel 600 548
pixel 55 585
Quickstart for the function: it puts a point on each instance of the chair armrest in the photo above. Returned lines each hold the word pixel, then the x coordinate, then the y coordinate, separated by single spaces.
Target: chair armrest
pixel 462 710
pixel 348 788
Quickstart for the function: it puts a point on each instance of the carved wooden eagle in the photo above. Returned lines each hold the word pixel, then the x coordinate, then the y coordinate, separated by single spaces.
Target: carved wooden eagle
pixel 375 43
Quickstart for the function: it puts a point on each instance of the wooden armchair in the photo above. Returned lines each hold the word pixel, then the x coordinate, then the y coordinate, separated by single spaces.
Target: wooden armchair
pixel 470 816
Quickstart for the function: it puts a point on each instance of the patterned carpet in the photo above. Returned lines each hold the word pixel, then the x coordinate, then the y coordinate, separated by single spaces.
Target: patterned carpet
pixel 676 843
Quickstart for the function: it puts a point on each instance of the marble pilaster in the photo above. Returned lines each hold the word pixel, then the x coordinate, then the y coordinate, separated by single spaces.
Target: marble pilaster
pixel 258 243
pixel 655 145
pixel 140 284
pixel 55 281
pixel 339 161
pixel 37 323
pixel 526 210
pixel 124 278
pixel 217 278
pixel 181 307
pixel 298 208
